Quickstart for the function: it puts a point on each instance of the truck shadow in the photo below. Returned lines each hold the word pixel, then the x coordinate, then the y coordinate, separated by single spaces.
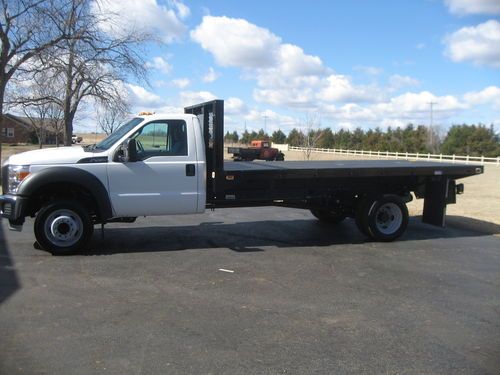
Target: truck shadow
pixel 9 282
pixel 254 236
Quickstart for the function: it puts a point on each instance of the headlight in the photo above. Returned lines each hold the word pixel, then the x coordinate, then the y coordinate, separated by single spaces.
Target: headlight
pixel 17 173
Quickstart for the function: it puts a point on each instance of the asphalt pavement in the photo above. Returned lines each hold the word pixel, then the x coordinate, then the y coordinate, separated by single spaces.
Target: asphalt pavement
pixel 253 291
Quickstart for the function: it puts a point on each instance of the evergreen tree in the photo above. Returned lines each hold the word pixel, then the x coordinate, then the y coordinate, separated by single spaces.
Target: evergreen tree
pixel 236 137
pixel 471 140
pixel 295 138
pixel 326 140
pixel 262 135
pixel 278 137
pixel 245 137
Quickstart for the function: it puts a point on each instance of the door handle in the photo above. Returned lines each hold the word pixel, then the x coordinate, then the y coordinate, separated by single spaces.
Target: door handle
pixel 190 170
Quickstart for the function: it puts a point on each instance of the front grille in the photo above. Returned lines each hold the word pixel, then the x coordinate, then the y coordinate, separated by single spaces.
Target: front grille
pixel 5 178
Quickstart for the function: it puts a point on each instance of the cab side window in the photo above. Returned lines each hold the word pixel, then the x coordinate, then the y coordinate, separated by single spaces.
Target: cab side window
pixel 162 138
pixel 177 138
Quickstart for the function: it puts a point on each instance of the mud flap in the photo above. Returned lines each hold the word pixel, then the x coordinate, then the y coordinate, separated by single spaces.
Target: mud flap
pixel 438 193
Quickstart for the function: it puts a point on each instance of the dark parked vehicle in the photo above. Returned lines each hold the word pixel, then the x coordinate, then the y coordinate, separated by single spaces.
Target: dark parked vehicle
pixel 258 150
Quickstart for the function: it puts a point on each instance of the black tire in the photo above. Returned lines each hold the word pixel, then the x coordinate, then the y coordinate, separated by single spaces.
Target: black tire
pixel 383 219
pixel 361 215
pixel 280 157
pixel 328 216
pixel 63 227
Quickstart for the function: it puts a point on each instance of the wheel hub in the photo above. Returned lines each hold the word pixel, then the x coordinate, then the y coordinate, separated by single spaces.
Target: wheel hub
pixel 64 228
pixel 389 218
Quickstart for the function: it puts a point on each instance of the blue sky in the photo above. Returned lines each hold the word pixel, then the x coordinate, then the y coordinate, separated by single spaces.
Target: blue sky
pixel 343 63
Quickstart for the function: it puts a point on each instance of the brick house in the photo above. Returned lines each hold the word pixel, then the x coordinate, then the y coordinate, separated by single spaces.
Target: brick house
pixel 17 129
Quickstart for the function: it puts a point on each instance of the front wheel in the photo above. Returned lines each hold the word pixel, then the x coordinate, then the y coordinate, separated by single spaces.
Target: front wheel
pixel 63 227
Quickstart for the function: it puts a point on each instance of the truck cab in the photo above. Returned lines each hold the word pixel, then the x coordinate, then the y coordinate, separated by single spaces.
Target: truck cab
pixel 260 144
pixel 153 164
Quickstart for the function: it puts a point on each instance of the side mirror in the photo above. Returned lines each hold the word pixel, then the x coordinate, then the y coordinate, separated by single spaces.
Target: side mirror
pixel 128 151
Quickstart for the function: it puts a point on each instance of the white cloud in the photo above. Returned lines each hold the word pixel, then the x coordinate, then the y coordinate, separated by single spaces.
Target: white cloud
pixel 399 110
pixel 159 64
pixel 462 7
pixel 489 95
pixel 478 44
pixel 211 75
pixel 279 96
pixel 169 109
pixel 194 97
pixel 397 81
pixel 145 15
pixel 420 45
pixel 393 123
pixel 236 42
pixel 294 62
pixel 181 83
pixel 351 112
pixel 396 111
pixel 141 97
pixel 182 9
pixel 234 106
pixel 346 125
pixel 159 83
pixel 285 74
pixel 270 120
pixel 339 88
pixel 370 70
pixel 417 105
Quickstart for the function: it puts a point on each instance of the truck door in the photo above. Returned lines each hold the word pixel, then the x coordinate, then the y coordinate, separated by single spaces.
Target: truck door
pixel 164 179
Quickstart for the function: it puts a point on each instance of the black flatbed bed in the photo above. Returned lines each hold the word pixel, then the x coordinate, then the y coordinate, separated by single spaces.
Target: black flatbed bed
pixel 350 168
pixel 345 187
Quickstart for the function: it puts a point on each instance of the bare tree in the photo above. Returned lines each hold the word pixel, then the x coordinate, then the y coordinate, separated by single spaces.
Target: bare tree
pixel 37 117
pixel 312 133
pixel 94 61
pixel 25 32
pixel 39 98
pixel 56 115
pixel 110 117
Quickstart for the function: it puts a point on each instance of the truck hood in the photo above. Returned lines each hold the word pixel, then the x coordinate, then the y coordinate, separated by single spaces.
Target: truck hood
pixel 60 155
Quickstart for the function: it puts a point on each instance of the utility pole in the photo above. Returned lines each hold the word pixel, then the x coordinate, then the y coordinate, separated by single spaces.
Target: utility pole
pixel 431 125
pixel 265 124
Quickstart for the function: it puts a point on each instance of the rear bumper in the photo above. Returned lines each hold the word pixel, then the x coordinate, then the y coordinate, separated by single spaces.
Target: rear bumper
pixel 12 207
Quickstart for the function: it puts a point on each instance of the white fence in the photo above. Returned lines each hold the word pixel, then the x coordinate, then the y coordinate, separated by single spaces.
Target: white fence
pixel 399 155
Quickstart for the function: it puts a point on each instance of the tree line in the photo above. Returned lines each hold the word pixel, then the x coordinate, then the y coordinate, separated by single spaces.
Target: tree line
pixel 473 140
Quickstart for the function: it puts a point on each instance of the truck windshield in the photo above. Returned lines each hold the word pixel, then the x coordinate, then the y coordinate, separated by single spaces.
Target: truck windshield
pixel 111 139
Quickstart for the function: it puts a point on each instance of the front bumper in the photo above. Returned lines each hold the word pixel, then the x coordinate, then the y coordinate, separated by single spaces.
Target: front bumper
pixel 12 207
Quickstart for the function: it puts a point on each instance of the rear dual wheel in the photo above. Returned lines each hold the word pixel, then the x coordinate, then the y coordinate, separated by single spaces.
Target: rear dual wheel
pixel 383 218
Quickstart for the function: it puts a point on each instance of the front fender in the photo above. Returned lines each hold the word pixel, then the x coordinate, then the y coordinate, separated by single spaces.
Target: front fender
pixel 75 176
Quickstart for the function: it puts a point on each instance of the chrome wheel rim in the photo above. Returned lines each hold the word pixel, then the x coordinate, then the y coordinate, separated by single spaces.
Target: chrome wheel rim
pixel 388 218
pixel 63 228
